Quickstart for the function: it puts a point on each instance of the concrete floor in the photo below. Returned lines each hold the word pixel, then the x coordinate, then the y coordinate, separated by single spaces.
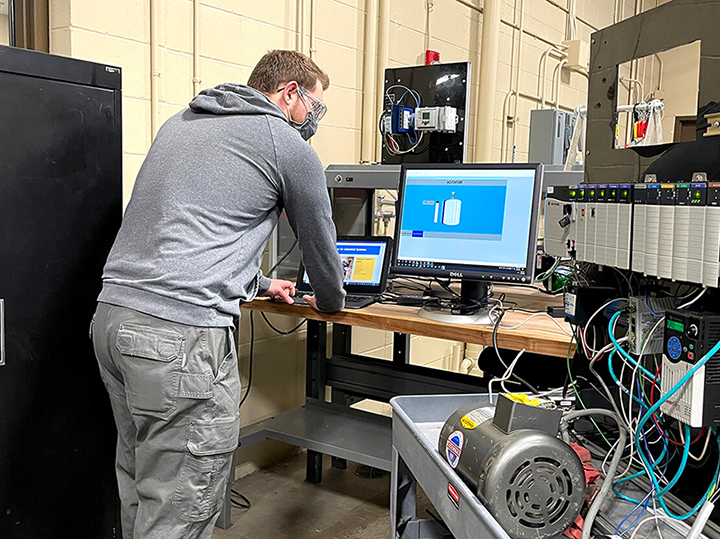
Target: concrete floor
pixel 343 506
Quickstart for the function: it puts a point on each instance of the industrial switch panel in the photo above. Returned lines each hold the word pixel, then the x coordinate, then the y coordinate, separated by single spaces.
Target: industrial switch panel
pixel 652 228
pixel 604 224
pixel 559 223
pixel 670 231
pixel 711 243
pixel 689 231
pixel 666 228
pixel 620 227
pixel 602 217
pixel 639 227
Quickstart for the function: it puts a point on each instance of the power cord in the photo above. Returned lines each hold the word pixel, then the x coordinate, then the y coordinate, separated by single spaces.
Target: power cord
pixel 244 503
pixel 279 331
pixel 284 257
pixel 252 346
pixel 502 361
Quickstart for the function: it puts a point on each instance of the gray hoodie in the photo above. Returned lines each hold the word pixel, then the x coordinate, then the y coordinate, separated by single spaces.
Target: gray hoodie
pixel 204 204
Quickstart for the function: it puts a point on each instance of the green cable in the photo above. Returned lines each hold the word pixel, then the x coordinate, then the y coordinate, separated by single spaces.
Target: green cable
pixel 572 382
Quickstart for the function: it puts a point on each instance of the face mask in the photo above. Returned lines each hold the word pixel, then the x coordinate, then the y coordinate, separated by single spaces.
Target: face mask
pixel 308 127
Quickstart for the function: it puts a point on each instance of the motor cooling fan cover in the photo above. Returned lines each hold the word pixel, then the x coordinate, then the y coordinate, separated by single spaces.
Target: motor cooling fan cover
pixel 532 483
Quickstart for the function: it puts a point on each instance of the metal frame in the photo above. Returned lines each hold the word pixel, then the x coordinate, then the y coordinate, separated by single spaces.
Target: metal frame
pixel 334 428
pixel 668 26
pixel 11 22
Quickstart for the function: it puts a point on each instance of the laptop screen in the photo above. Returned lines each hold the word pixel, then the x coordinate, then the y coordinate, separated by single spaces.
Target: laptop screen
pixel 364 264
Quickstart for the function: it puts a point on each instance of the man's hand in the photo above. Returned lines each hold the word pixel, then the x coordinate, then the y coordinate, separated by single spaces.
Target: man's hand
pixel 282 290
pixel 310 300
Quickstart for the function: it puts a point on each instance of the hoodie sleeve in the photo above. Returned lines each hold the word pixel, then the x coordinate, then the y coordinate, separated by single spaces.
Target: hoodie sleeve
pixel 307 205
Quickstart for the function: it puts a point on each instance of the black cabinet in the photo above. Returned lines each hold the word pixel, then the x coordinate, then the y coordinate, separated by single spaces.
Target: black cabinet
pixel 60 209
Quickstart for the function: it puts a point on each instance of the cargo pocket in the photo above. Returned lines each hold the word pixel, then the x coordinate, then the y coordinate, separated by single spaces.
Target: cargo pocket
pixel 206 468
pixel 150 369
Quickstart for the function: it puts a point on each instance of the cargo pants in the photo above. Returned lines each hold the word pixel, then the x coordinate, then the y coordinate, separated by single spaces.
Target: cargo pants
pixel 175 393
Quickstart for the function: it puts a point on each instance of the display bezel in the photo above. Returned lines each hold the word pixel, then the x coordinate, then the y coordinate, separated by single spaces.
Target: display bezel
pixel 473 273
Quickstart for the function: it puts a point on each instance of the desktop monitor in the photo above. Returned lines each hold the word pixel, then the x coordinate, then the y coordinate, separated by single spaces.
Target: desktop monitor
pixel 474 222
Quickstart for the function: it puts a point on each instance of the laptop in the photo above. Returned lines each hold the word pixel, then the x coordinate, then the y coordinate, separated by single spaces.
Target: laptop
pixel 365 262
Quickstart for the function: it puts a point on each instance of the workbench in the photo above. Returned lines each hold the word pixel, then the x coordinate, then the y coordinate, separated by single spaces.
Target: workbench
pixel 345 433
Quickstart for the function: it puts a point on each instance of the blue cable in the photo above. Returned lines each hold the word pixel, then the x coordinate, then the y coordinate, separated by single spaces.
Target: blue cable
pixel 617 381
pixel 656 407
pixel 660 458
pixel 623 352
pixel 647 304
pixel 640 514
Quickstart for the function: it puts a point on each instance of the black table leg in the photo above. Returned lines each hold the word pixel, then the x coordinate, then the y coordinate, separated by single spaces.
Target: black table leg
pixel 401 348
pixel 315 385
pixel 341 345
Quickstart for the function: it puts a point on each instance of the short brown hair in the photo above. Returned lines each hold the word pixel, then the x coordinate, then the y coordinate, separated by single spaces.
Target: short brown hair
pixel 280 66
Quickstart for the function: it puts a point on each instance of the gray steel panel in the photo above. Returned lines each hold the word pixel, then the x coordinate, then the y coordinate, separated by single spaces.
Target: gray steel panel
pixel 330 429
pixel 363 176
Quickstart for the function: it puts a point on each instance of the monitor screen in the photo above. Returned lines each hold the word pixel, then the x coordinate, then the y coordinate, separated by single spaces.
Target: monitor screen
pixel 468 221
pixel 362 262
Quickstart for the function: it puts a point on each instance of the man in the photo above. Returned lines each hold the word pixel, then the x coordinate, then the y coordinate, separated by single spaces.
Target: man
pixel 205 201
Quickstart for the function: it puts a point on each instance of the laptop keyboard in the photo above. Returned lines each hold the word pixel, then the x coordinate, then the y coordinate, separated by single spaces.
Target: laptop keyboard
pixel 350 301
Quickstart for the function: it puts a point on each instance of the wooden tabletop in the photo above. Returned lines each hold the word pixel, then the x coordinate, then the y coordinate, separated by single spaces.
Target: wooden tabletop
pixel 540 334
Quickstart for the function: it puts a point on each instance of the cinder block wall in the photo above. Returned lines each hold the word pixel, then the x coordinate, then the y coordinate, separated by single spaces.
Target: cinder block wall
pixel 234 34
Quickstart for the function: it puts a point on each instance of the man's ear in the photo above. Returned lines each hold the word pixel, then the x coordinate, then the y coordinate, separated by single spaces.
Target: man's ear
pixel 290 89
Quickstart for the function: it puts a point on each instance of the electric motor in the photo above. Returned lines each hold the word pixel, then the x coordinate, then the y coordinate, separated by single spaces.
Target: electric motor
pixel 531 482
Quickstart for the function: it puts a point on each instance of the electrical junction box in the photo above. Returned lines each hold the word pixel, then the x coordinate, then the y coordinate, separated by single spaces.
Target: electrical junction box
pixel 551 133
pixel 643 314
pixel 401 120
pixel 440 119
pixel 689 335
pixel 578 53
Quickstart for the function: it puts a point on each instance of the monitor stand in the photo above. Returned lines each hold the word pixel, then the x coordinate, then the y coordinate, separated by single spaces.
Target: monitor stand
pixel 472 294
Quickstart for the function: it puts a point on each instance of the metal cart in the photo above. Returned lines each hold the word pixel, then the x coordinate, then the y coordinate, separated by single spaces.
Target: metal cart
pixel 416 425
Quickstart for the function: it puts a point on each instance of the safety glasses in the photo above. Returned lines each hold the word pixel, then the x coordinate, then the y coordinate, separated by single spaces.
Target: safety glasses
pixel 317 106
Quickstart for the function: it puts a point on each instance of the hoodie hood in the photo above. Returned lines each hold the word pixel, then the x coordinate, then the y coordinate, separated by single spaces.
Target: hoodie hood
pixel 231 98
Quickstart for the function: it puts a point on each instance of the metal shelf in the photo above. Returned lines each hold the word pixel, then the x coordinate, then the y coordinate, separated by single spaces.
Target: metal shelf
pixel 331 429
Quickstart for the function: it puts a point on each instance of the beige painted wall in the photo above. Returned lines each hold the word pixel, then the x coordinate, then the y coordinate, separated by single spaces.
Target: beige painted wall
pixel 4 32
pixel 234 34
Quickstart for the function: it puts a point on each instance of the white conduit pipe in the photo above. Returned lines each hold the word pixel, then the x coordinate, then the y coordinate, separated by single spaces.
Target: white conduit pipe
pixel 506 120
pixel 370 69
pixel 489 57
pixel 383 60
pixel 521 31
pixel 154 68
pixel 313 50
pixel 556 77
pixel 301 26
pixel 542 72
pixel 196 47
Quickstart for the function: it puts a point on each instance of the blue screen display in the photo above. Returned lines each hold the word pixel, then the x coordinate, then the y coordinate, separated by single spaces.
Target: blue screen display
pixel 466 217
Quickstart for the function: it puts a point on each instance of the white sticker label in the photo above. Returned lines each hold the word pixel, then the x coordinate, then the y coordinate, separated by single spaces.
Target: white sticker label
pixel 570 303
pixel 454 447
